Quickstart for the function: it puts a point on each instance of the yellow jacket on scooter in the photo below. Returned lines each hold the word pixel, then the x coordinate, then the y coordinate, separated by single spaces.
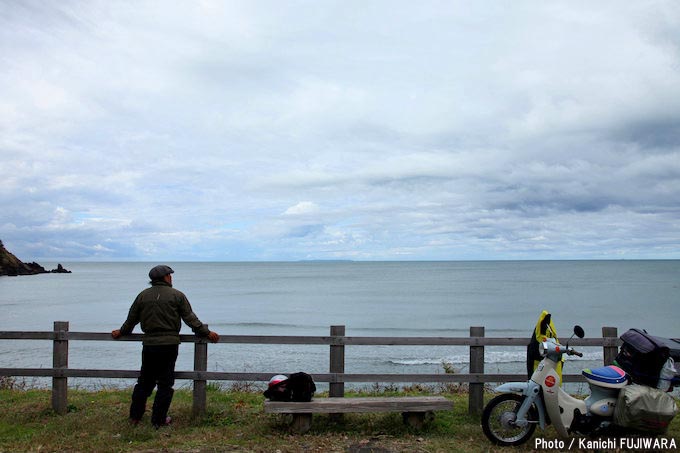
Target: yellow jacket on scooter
pixel 544 329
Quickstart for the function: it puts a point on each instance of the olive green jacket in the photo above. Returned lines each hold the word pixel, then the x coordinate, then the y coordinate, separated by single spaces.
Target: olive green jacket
pixel 160 310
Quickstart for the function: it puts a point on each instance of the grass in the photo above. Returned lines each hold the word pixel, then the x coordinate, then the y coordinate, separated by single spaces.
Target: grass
pixel 235 422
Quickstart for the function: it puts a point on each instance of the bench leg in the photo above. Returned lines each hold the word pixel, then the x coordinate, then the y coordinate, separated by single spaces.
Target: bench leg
pixel 301 423
pixel 417 419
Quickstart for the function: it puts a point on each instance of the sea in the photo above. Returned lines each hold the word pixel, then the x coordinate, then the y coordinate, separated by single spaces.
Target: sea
pixel 406 298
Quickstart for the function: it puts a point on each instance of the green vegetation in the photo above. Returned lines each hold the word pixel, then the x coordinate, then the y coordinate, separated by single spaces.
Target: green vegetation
pixel 235 422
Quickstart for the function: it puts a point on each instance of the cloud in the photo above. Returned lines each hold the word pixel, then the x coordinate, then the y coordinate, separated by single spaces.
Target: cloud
pixel 245 131
pixel 302 208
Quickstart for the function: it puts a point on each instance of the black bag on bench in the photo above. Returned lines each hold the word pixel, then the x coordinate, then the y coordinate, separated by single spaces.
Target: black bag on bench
pixel 298 387
pixel 301 387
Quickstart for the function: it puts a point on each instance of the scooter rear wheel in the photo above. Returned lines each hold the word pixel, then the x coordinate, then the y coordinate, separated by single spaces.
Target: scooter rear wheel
pixel 498 420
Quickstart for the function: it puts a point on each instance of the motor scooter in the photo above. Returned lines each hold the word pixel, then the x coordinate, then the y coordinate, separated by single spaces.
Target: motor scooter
pixel 511 418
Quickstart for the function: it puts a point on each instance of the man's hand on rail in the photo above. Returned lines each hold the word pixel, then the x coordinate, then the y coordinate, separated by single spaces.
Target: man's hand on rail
pixel 116 334
pixel 213 337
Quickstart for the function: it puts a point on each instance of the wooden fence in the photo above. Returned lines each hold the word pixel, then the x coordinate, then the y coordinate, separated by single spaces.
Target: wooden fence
pixel 336 376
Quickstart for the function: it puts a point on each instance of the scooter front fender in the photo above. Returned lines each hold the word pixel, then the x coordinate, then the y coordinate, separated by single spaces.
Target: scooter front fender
pixel 513 387
pixel 531 391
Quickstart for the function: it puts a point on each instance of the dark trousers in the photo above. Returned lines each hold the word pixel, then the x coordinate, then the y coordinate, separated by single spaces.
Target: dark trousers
pixel 158 369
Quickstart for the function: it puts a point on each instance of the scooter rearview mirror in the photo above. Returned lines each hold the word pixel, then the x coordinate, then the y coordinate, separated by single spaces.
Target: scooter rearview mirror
pixel 579 332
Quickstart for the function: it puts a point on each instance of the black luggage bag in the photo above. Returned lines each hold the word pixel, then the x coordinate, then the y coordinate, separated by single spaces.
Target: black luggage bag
pixel 642 355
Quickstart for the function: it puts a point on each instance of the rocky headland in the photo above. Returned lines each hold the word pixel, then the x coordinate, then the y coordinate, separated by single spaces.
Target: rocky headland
pixel 12 266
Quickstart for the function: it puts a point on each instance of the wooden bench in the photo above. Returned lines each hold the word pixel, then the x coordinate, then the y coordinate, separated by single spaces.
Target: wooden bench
pixel 414 409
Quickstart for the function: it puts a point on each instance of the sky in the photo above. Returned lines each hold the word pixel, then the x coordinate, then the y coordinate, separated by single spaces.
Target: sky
pixel 339 130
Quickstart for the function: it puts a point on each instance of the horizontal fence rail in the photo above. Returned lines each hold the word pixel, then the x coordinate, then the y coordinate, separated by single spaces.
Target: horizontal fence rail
pixel 336 377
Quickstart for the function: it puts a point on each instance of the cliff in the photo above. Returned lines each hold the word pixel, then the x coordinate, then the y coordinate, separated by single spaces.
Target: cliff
pixel 11 265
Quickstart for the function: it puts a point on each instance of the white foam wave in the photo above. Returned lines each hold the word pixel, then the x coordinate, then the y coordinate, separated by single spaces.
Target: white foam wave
pixel 490 357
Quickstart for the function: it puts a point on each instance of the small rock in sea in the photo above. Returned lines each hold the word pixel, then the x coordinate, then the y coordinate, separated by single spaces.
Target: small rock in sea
pixel 60 270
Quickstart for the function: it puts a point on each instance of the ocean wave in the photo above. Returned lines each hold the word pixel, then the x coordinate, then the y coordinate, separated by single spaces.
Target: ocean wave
pixel 425 332
pixel 265 324
pixel 490 357
pixel 428 332
pixel 415 362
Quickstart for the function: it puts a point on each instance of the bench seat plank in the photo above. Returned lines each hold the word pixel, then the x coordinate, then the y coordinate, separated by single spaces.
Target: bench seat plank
pixel 368 404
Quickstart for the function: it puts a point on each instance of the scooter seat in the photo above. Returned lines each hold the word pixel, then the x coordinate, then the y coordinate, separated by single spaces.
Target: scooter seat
pixel 607 376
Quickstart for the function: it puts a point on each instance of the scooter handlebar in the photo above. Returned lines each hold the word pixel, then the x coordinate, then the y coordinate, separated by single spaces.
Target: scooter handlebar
pixel 551 346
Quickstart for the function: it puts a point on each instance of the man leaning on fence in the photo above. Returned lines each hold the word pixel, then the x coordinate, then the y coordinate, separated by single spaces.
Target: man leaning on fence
pixel 160 310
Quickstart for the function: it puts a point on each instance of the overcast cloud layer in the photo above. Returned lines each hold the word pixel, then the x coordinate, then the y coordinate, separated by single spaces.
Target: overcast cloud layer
pixel 270 130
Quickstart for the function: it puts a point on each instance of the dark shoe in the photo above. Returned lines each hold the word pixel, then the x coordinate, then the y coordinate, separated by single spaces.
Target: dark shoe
pixel 134 421
pixel 168 421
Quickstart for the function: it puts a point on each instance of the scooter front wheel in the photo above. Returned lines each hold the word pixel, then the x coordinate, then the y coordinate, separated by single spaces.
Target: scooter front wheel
pixel 498 420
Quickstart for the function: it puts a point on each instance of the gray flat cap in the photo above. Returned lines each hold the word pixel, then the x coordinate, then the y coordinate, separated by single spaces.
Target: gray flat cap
pixel 160 271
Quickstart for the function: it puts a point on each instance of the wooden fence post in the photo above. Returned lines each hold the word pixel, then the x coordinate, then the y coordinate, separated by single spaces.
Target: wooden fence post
pixel 476 396
pixel 337 362
pixel 60 362
pixel 200 385
pixel 610 349
pixel 337 365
